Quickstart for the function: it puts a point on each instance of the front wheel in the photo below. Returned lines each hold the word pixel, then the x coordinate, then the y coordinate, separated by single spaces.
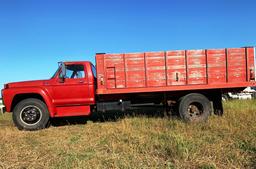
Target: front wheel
pixel 194 107
pixel 30 114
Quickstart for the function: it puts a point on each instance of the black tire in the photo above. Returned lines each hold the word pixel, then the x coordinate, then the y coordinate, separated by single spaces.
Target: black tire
pixel 30 114
pixel 194 107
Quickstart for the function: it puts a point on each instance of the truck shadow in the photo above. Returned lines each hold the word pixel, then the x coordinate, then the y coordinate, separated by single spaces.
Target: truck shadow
pixel 109 117
pixel 253 161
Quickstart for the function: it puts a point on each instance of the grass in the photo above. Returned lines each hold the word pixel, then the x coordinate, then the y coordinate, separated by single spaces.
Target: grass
pixel 137 142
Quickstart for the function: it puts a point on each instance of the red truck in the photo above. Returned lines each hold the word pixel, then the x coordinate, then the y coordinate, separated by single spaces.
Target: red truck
pixel 184 80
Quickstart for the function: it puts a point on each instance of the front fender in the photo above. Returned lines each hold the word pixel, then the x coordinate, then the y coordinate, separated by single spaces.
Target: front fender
pixel 9 95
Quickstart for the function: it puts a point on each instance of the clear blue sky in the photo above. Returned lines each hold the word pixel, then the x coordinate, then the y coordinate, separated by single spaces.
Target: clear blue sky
pixel 36 34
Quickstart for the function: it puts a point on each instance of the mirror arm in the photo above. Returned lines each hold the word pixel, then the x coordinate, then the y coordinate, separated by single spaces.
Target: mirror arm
pixel 62 72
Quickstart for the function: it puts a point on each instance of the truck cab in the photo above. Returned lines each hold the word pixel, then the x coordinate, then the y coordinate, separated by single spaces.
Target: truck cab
pixel 70 92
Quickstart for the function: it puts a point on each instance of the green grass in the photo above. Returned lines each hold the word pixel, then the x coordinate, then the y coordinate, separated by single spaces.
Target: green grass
pixel 137 142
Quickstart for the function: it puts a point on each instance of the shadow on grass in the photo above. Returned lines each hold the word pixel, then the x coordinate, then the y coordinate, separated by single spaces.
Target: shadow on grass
pixel 253 159
pixel 6 123
pixel 253 164
pixel 111 117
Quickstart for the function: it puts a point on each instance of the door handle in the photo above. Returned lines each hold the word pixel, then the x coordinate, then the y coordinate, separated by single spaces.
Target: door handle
pixel 81 81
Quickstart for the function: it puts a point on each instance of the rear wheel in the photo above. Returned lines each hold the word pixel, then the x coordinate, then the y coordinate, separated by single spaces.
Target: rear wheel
pixel 30 114
pixel 194 107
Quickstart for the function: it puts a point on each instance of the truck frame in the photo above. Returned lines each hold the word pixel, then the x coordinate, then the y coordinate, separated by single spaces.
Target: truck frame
pixel 183 81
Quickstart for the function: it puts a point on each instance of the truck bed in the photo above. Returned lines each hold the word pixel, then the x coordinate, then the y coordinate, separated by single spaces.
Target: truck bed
pixel 175 70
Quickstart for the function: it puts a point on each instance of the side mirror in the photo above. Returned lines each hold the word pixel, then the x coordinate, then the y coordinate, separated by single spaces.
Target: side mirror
pixel 62 74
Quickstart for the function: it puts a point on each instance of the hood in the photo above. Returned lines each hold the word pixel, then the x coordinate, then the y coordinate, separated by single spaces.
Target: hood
pixel 27 83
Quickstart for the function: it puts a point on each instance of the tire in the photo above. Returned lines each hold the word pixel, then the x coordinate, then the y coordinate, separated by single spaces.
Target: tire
pixel 194 107
pixel 30 114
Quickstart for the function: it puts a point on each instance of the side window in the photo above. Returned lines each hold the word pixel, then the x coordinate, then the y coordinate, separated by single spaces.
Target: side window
pixel 75 71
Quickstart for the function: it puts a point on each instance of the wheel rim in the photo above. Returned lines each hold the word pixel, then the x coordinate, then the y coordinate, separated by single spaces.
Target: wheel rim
pixel 195 110
pixel 30 115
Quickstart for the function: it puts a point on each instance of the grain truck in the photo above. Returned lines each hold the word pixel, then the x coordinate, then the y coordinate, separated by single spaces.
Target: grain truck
pixel 190 82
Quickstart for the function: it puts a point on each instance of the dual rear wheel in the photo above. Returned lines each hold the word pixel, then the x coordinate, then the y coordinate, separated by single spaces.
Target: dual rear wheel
pixel 194 107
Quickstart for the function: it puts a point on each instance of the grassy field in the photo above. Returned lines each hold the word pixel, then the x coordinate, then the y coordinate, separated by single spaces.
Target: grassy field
pixel 137 142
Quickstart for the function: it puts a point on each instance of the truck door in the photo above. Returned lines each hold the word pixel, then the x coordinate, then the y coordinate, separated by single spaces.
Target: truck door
pixel 74 91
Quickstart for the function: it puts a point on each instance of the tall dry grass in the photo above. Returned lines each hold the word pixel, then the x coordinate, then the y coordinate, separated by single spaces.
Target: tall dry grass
pixel 137 142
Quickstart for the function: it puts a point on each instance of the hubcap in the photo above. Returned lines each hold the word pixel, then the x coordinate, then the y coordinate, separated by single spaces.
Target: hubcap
pixel 195 110
pixel 30 115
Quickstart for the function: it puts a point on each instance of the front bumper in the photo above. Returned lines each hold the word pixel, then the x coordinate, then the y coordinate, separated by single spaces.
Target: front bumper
pixel 2 109
pixel 2 106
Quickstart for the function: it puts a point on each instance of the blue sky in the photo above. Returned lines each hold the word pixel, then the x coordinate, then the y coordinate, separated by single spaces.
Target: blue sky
pixel 36 34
